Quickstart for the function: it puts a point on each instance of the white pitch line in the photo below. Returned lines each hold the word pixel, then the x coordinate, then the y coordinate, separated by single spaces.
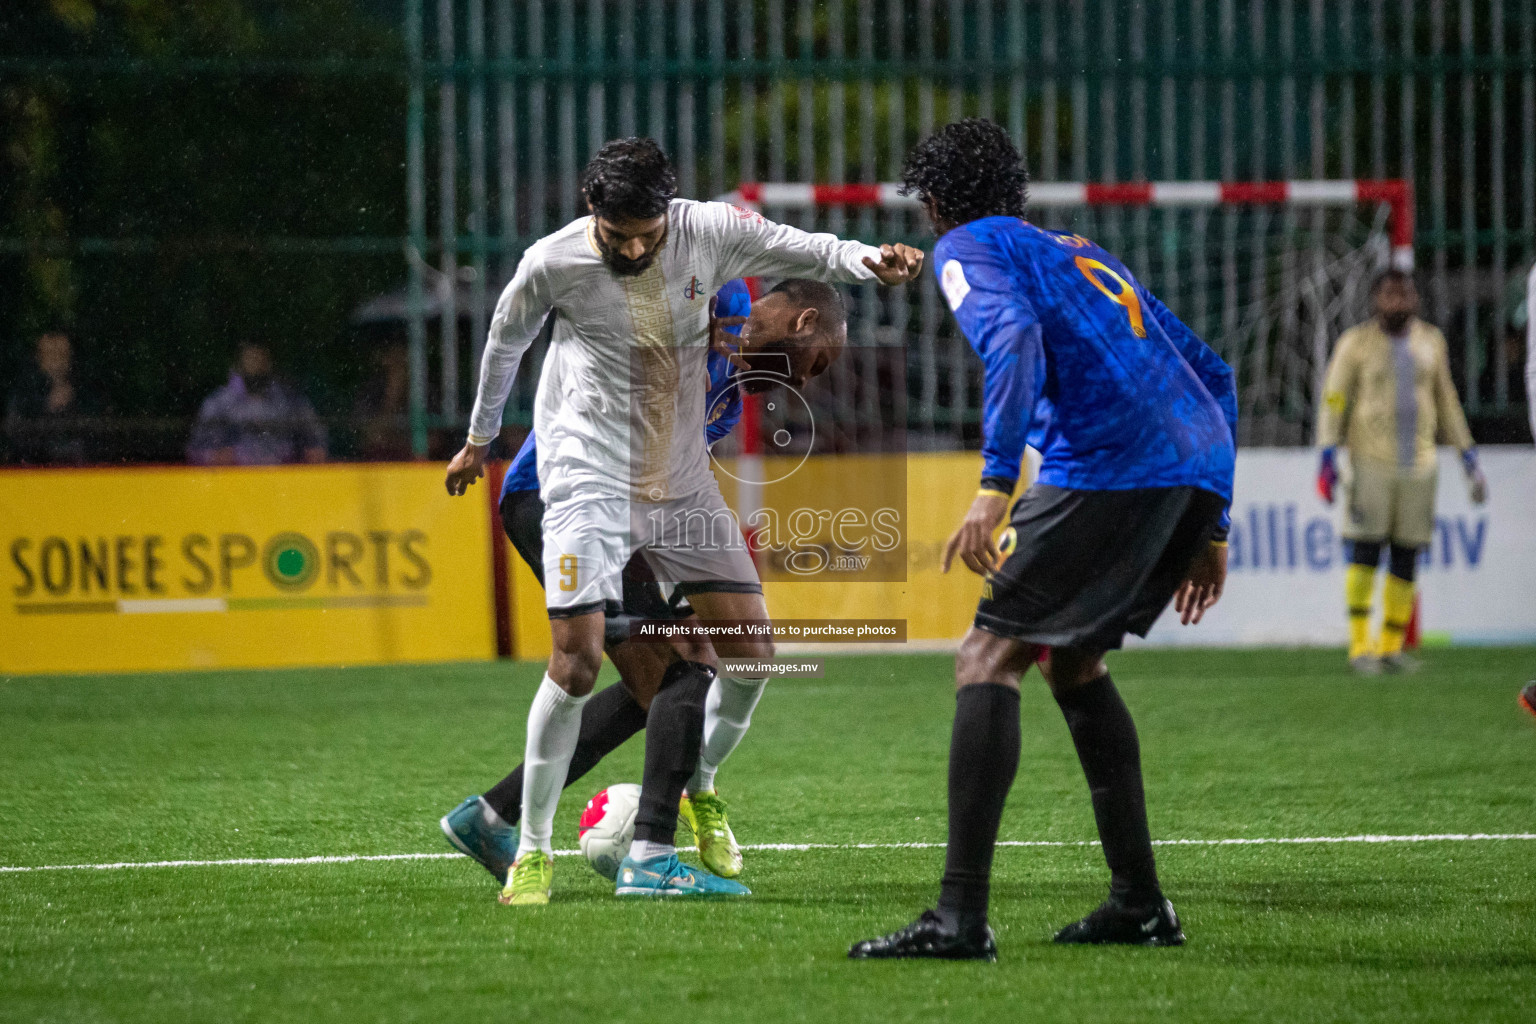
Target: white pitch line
pixel 350 858
pixel 355 858
pixel 1445 837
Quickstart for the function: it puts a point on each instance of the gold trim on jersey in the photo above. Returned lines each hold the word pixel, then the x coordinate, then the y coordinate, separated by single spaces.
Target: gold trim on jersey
pixel 655 378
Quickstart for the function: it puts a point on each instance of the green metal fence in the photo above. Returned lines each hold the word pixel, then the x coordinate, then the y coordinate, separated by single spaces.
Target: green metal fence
pixel 503 100
pixel 509 98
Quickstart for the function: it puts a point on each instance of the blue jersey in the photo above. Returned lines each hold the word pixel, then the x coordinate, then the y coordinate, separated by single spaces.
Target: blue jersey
pixel 722 404
pixel 1085 364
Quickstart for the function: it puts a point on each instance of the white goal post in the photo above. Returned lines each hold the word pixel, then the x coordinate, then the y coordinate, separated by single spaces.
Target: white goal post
pixel 1396 194
pixel 1268 273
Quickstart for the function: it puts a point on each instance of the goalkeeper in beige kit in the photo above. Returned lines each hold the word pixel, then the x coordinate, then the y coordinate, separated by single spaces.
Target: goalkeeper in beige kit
pixel 1388 400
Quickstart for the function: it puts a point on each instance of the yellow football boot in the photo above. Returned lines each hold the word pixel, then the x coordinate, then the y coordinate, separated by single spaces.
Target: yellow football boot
pixel 704 814
pixel 529 883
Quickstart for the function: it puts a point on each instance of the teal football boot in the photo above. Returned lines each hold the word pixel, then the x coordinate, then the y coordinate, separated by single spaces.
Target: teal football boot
pixel 668 876
pixel 493 847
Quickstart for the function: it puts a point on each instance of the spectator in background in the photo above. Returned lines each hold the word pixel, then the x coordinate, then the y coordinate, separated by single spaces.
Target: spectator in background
pixel 256 419
pixel 383 407
pixel 1516 371
pixel 1530 356
pixel 1388 399
pixel 1507 361
pixel 43 409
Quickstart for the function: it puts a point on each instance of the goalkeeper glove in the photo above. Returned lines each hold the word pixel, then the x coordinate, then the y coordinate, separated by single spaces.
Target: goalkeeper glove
pixel 1477 483
pixel 1327 476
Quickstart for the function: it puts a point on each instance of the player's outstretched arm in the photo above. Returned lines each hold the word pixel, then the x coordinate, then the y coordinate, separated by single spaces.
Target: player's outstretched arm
pixel 520 314
pixel 750 245
pixel 898 264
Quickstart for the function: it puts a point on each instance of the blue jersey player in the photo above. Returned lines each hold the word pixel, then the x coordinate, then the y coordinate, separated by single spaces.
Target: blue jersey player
pixel 1136 419
pixel 791 334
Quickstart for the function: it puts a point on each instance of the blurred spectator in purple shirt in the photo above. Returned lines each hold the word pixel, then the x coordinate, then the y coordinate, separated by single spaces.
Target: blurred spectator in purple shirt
pixel 43 411
pixel 256 419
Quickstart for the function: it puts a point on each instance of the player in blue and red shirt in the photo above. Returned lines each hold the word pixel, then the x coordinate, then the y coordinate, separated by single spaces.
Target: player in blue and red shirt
pixel 1136 420
pixel 790 335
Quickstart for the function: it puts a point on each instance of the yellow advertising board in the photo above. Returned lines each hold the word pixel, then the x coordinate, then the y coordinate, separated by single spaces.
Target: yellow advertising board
pixel 529 626
pixel 937 607
pixel 928 494
pixel 109 570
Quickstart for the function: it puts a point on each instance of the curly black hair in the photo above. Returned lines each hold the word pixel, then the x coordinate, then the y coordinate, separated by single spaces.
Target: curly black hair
pixel 629 179
pixel 970 169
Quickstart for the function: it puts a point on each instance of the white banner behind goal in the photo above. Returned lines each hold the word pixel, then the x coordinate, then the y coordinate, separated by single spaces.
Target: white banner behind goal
pixel 1285 583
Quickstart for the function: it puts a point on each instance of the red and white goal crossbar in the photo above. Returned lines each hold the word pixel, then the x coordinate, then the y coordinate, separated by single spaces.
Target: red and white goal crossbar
pixel 1395 193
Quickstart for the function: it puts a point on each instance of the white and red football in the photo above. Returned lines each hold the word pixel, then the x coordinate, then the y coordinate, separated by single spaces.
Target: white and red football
pixel 608 827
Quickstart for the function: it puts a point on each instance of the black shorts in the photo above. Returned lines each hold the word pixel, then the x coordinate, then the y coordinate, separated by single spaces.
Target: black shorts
pixel 522 516
pixel 1084 568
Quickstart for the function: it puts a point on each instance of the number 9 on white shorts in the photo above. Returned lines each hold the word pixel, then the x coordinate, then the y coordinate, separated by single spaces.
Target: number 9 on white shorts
pixel 586 543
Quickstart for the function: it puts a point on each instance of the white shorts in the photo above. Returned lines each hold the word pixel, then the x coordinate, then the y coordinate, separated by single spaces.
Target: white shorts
pixel 694 544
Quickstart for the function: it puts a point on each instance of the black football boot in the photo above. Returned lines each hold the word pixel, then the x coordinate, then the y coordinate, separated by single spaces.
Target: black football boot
pixel 1114 922
pixel 928 938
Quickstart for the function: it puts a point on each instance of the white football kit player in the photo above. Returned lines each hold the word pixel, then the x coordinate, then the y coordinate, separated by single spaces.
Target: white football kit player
pixel 619 411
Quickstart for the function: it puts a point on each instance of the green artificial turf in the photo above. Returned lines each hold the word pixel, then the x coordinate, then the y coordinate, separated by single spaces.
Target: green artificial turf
pixel 1251 744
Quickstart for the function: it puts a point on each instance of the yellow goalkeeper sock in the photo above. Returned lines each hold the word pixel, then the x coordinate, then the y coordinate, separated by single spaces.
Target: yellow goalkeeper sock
pixel 1396 611
pixel 1359 581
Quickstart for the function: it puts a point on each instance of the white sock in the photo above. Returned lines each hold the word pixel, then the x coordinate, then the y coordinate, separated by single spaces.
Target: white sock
pixel 554 722
pixel 643 850
pixel 490 817
pixel 727 714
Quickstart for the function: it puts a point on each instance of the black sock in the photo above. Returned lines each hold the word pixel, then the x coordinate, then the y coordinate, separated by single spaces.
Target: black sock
pixel 1107 747
pixel 607 720
pixel 674 732
pixel 983 757
pixel 1403 562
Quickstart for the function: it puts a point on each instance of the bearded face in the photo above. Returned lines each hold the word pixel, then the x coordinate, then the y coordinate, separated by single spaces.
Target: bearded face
pixel 629 247
pixel 1396 302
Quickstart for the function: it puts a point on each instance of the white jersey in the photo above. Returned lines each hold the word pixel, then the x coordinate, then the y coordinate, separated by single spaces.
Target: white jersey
pixel 620 404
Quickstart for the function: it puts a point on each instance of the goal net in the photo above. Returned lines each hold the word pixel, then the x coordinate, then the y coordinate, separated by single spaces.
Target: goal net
pixel 1269 274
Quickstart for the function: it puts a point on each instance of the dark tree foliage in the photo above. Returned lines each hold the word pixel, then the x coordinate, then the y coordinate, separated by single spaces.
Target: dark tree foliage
pixel 185 142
